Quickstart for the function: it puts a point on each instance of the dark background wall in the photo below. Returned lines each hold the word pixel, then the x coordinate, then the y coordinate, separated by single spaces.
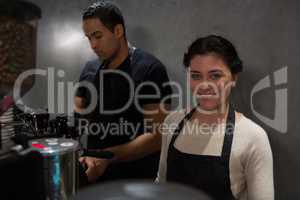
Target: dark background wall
pixel 265 32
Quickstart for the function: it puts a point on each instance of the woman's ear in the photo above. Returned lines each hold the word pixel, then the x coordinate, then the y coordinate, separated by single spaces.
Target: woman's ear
pixel 119 30
pixel 234 79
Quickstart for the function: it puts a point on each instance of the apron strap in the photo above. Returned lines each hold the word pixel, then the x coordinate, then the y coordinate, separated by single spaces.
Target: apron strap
pixel 180 126
pixel 230 123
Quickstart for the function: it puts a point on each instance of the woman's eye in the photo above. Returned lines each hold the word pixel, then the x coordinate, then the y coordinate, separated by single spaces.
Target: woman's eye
pixel 215 76
pixel 195 76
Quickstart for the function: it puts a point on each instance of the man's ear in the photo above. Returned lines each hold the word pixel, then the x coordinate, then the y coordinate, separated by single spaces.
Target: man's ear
pixel 119 30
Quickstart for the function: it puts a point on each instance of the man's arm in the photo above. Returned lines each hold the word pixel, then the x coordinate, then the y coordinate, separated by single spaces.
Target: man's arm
pixel 143 145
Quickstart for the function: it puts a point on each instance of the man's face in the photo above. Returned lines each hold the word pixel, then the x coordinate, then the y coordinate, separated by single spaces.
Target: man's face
pixel 103 42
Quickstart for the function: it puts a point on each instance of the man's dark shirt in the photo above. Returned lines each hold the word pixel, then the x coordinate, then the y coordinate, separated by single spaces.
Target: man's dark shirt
pixel 114 92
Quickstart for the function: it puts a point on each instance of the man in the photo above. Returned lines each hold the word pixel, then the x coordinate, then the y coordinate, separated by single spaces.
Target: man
pixel 135 147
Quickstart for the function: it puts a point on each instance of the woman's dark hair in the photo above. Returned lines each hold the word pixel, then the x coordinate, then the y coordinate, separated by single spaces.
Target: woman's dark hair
pixel 216 45
pixel 108 13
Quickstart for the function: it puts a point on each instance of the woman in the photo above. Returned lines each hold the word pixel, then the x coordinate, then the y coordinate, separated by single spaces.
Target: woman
pixel 213 147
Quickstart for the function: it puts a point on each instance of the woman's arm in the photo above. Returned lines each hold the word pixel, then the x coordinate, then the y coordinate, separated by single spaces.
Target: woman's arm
pixel 162 169
pixel 259 169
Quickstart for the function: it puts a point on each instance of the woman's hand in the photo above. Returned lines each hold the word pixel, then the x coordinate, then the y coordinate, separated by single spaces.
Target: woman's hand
pixel 95 167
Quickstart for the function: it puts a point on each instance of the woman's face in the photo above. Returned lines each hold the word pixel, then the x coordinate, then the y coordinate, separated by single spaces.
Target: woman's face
pixel 210 81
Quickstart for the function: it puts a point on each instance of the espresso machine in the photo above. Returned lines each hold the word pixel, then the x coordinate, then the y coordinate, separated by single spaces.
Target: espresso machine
pixel 38 159
pixel 20 169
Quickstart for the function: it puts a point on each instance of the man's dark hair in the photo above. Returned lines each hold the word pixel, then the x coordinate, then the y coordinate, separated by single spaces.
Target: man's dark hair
pixel 108 13
pixel 216 45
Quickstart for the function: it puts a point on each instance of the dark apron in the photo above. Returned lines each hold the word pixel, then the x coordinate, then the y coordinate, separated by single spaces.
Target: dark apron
pixel 210 174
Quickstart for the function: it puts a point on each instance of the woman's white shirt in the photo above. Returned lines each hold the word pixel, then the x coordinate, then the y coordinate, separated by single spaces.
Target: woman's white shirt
pixel 251 163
